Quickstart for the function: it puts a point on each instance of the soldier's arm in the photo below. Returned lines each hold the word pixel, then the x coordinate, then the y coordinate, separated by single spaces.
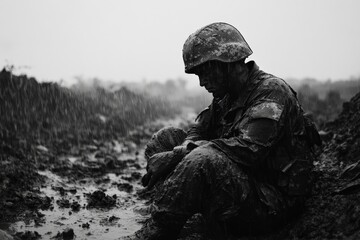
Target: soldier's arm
pixel 197 134
pixel 255 134
pixel 199 130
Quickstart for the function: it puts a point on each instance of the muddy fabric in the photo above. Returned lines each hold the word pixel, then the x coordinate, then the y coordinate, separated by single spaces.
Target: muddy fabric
pixel 161 144
pixel 255 167
pixel 263 130
pixel 228 197
pixel 214 186
pixel 164 140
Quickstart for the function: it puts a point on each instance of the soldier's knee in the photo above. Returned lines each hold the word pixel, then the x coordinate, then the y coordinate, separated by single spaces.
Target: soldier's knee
pixel 204 156
pixel 164 140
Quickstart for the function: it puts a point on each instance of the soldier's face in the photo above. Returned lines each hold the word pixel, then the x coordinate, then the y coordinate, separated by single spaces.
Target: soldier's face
pixel 213 79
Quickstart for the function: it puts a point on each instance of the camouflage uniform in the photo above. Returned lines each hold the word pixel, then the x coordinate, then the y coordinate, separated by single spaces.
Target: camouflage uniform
pixel 252 168
pixel 256 166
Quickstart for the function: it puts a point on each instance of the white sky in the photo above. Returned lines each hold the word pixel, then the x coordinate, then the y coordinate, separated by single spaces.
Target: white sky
pixel 137 40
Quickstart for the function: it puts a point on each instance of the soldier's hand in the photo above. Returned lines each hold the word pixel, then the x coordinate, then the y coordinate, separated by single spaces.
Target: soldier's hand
pixel 187 147
pixel 159 166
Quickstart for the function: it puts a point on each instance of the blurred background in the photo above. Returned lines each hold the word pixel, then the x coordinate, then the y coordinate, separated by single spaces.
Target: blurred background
pixel 314 45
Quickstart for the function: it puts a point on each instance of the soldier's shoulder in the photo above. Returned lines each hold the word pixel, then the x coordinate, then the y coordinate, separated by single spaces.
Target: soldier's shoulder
pixel 271 80
pixel 269 110
pixel 274 83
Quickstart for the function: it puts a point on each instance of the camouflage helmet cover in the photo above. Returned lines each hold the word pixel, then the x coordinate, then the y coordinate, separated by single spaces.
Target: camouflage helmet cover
pixel 217 41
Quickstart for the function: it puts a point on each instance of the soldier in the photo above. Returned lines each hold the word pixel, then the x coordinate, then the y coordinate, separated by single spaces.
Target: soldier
pixel 245 164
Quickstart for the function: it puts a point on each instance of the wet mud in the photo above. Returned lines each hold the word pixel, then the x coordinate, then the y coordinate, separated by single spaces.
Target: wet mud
pixel 91 192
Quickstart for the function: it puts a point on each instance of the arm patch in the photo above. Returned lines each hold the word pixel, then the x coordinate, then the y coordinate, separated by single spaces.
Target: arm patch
pixel 270 110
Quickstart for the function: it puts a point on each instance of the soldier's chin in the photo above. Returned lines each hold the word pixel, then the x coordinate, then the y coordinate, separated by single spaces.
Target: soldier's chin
pixel 218 95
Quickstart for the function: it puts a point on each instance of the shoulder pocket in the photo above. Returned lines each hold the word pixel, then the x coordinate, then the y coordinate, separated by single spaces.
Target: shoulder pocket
pixel 270 110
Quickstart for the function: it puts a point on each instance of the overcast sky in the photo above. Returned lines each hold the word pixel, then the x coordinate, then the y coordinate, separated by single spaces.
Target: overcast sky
pixel 136 40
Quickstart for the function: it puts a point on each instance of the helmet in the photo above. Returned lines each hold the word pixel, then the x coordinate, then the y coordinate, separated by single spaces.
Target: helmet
pixel 217 41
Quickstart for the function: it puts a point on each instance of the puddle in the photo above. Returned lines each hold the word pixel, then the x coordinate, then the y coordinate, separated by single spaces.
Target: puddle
pixel 89 223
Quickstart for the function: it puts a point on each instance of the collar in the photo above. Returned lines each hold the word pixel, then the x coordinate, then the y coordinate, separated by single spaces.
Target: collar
pixel 251 83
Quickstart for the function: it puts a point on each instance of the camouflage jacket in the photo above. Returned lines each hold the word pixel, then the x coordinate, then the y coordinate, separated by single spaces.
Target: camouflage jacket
pixel 264 130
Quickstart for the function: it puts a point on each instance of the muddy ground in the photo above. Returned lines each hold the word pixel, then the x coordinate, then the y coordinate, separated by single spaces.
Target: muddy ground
pixel 71 165
pixel 91 192
pixel 94 192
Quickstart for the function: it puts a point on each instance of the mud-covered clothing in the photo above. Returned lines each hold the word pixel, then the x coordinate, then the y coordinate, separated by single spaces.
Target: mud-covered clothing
pixel 264 130
pixel 229 198
pixel 254 168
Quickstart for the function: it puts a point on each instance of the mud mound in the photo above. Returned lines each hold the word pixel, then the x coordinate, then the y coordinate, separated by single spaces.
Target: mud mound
pixel 345 143
pixel 17 176
pixel 49 111
pixel 333 209
pixel 100 199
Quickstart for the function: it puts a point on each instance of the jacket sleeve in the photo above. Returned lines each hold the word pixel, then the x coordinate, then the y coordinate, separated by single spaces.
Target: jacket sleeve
pixel 255 135
pixel 199 130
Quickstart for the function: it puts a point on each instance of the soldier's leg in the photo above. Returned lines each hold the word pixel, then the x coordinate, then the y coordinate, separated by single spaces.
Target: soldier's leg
pixel 229 197
pixel 207 182
pixel 164 140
